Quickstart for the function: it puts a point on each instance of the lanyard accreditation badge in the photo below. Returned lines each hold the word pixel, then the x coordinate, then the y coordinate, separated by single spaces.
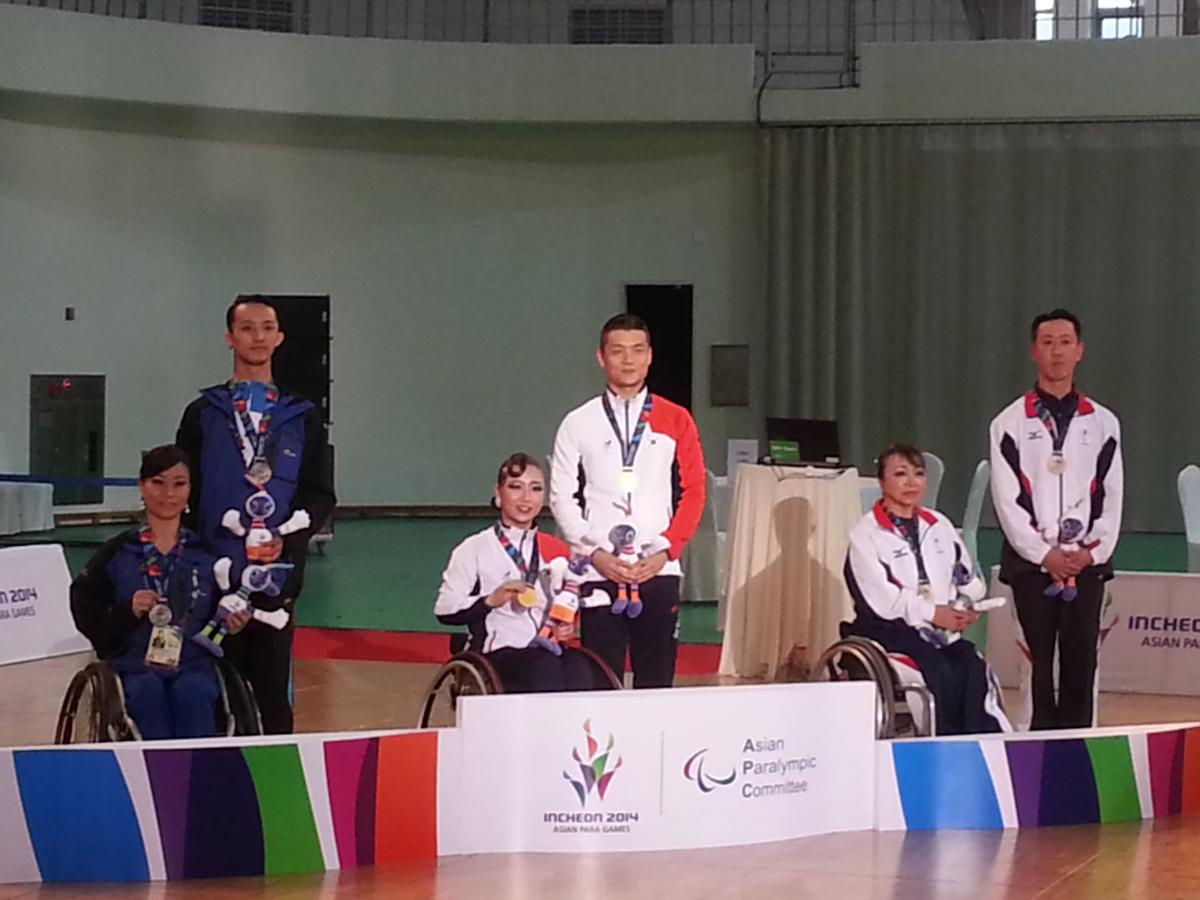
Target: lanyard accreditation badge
pixel 627 480
pixel 166 642
pixel 911 532
pixel 529 571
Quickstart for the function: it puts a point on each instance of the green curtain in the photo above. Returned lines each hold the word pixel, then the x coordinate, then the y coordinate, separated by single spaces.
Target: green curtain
pixel 906 262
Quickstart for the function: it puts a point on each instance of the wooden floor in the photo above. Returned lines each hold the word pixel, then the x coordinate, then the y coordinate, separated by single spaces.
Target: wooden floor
pixel 1152 859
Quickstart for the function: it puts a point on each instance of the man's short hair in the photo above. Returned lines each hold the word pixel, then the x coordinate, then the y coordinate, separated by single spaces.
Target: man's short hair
pixel 624 322
pixel 1056 315
pixel 245 300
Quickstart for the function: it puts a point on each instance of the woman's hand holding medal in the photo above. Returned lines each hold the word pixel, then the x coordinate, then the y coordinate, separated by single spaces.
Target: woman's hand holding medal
pixel 952 619
pixel 142 602
pixel 508 592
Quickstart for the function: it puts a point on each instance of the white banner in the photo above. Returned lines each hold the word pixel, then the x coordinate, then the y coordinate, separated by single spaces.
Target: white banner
pixel 35 613
pixel 664 769
pixel 1149 630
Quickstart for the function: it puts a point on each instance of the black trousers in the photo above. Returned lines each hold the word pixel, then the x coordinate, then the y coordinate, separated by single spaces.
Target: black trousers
pixel 955 674
pixel 263 656
pixel 1073 626
pixel 651 638
pixel 532 670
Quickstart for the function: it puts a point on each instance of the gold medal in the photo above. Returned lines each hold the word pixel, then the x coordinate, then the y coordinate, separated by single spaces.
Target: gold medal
pixel 1057 463
pixel 528 597
pixel 260 471
pixel 627 481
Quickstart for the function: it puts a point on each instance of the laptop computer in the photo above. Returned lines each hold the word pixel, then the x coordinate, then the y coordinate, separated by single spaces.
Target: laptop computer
pixel 803 442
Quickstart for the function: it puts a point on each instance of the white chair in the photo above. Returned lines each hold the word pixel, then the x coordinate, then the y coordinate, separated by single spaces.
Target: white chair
pixel 935 470
pixel 704 555
pixel 1188 483
pixel 980 482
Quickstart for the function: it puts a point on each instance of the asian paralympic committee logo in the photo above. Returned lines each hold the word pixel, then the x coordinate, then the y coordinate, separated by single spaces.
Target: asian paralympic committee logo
pixel 693 770
pixel 596 773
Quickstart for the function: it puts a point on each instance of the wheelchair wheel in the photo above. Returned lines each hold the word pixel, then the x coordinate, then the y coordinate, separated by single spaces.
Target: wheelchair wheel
pixel 858 659
pixel 603 677
pixel 237 710
pixel 466 674
pixel 93 709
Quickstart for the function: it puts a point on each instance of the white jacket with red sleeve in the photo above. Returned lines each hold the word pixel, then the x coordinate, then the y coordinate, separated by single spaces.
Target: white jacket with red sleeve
pixel 585 494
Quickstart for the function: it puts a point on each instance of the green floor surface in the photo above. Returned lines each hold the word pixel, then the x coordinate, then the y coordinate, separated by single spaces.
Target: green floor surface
pixel 384 573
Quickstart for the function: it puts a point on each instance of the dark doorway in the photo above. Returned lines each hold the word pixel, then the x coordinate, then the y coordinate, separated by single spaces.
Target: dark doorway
pixel 667 309
pixel 301 364
pixel 66 434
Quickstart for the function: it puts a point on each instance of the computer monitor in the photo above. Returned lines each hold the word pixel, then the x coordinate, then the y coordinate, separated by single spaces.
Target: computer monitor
pixel 810 441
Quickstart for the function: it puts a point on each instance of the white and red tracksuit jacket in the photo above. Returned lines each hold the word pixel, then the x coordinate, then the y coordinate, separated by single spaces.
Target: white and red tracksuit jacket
pixel 1031 501
pixel 882 574
pixel 584 492
pixel 477 567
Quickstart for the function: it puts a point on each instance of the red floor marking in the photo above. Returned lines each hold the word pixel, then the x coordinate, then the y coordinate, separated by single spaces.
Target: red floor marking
pixel 422 647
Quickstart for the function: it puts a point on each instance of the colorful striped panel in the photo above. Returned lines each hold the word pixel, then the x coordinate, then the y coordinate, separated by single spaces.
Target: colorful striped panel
pixel 224 835
pixel 1116 787
pixel 170 772
pixel 1025 772
pixel 1165 749
pixel 290 841
pixel 351 768
pixel 406 803
pixel 1068 794
pixel 945 785
pixel 80 818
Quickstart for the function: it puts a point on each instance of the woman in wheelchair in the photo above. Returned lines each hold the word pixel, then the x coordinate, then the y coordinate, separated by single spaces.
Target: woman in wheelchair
pixel 498 585
pixel 905 569
pixel 140 599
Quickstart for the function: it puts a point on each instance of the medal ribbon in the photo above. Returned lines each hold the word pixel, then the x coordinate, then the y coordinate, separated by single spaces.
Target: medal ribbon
pixel 528 570
pixel 913 537
pixel 1056 439
pixel 628 450
pixel 156 567
pixel 256 438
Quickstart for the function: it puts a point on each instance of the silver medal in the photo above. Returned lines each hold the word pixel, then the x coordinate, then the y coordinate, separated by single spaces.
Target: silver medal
pixel 925 591
pixel 160 614
pixel 260 471
pixel 1057 463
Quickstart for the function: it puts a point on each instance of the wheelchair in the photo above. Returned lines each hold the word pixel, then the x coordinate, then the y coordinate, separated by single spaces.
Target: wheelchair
pixel 903 708
pixel 469 674
pixel 93 709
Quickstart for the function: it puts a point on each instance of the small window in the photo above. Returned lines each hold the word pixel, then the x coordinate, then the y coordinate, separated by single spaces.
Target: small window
pixel 1117 19
pixel 256 15
pixel 1043 22
pixel 619 25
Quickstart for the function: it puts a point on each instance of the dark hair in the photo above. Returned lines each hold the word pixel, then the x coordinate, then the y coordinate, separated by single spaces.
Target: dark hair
pixel 1056 315
pixel 515 466
pixel 158 460
pixel 907 451
pixel 624 322
pixel 245 300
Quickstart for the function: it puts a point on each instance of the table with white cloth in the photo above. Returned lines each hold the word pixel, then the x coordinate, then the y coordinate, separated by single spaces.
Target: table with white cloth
pixel 788 535
pixel 1149 635
pixel 26 506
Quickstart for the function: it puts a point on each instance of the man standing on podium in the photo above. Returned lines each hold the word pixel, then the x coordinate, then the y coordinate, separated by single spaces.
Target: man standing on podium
pixel 627 491
pixel 1057 486
pixel 258 464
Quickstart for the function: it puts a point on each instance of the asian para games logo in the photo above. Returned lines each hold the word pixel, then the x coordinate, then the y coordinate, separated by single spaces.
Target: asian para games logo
pixel 595 771
pixel 693 770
